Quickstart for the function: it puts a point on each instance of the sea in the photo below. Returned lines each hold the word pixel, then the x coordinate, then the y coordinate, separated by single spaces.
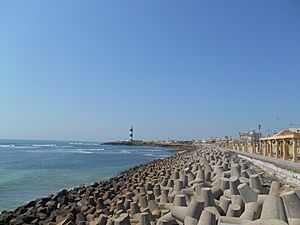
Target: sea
pixel 33 168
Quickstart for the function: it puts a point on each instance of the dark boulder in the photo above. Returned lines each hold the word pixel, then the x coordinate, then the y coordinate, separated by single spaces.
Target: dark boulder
pixel 5 217
pixel 16 221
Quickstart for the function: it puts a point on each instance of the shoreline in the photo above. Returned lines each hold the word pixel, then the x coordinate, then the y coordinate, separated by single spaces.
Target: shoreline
pixel 178 149
pixel 7 214
pixel 160 153
pixel 101 199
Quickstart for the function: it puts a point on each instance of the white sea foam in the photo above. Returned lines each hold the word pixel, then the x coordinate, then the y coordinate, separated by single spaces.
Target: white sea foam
pixel 7 146
pixel 45 145
pixel 76 143
pixel 148 154
pixel 90 149
pixel 81 143
pixel 65 146
pixel 26 147
pixel 126 151
pixel 65 150
pixel 82 152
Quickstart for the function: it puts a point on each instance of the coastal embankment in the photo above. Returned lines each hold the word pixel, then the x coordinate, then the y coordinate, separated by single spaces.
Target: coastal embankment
pixel 204 186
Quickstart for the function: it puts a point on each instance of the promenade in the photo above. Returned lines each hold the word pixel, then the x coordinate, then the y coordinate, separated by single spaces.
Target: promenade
pixel 285 169
pixel 281 163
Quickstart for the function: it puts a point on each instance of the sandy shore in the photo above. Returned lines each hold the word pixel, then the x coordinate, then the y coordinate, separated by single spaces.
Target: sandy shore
pixel 197 186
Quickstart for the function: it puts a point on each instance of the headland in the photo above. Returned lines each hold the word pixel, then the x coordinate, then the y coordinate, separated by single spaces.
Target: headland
pixel 175 146
pixel 169 144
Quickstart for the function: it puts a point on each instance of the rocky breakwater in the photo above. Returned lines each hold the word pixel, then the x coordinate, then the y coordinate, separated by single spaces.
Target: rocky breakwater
pixel 201 187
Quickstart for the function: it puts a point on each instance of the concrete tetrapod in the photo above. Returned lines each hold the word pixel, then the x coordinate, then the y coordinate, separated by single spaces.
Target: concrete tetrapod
pixel 164 196
pixel 152 218
pixel 166 219
pixel 111 221
pixel 275 187
pixel 143 201
pixel 256 184
pixel 180 200
pixel 102 220
pixel 234 210
pixel 144 219
pixel 123 219
pixel 216 192
pixel 207 218
pixel 193 210
pixel 247 193
pixel 153 207
pixel 224 203
pixel 190 221
pixel 226 220
pixel 273 208
pixel 292 207
pixel 266 222
pixel 224 184
pixel 234 182
pixel 207 196
pixel 237 199
pixel 198 187
pixel 200 175
pixel 252 211
pixel 134 209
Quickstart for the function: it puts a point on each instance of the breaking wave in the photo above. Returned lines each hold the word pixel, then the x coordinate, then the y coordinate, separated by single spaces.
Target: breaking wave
pixel 44 145
pixel 7 146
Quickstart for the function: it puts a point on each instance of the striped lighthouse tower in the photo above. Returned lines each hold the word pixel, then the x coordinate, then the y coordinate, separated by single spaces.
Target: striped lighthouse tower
pixel 131 133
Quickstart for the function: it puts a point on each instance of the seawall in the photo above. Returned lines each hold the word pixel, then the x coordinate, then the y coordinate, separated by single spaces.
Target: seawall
pixel 201 186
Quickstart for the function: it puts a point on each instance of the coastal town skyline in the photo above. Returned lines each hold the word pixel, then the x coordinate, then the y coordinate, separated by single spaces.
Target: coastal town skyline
pixel 77 71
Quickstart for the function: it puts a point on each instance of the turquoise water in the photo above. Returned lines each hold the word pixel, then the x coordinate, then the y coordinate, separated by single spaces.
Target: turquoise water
pixel 31 169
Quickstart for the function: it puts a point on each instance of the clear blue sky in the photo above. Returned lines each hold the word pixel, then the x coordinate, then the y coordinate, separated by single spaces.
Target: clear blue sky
pixel 87 70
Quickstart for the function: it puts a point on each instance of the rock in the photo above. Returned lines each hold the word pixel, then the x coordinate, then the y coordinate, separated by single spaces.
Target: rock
pixel 5 217
pixel 16 221
pixel 42 216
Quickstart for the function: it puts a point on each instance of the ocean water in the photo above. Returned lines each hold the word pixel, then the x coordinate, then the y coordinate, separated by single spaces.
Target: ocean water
pixel 31 169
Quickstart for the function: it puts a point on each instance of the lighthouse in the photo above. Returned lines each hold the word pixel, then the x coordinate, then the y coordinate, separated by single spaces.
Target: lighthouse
pixel 131 133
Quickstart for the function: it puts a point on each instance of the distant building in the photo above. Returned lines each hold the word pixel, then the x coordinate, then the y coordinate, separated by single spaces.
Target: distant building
pixel 294 130
pixel 210 140
pixel 227 138
pixel 250 136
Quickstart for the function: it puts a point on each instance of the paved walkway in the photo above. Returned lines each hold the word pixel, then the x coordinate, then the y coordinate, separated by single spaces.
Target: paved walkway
pixel 284 164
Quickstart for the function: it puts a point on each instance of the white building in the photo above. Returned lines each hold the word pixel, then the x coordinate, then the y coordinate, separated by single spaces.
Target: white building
pixel 250 136
pixel 294 130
